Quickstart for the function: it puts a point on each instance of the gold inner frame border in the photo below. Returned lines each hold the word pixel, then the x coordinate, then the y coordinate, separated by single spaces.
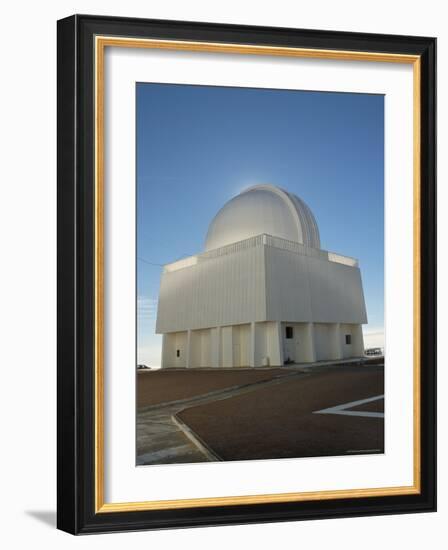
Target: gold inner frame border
pixel 100 44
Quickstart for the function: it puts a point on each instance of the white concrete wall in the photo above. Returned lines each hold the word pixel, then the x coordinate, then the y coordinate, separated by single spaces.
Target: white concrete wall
pixel 268 350
pixel 247 345
pixel 200 348
pixel 274 344
pixel 322 341
pixel 215 347
pixel 261 344
pixel 170 344
pixel 358 341
pixel 356 348
pixel 242 346
pixel 330 341
pixel 300 348
pixel 227 346
pixel 335 342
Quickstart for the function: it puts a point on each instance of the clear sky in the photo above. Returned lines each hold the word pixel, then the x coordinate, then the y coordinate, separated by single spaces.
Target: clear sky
pixel 198 146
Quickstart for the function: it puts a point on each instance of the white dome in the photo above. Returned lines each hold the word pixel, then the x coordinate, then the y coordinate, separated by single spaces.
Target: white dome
pixel 263 209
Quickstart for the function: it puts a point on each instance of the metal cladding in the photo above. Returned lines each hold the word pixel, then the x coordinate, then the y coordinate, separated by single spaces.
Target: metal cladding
pixel 263 209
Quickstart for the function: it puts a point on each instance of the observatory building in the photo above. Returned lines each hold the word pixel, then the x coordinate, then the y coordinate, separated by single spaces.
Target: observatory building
pixel 263 293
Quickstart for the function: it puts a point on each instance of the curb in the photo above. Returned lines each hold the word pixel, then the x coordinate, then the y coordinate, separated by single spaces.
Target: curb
pixel 196 439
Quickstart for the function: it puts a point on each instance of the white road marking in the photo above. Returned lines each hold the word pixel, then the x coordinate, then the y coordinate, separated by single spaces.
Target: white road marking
pixel 342 409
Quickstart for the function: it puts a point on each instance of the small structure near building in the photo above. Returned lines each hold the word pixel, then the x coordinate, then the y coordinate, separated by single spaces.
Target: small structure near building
pixel 263 293
pixel 374 351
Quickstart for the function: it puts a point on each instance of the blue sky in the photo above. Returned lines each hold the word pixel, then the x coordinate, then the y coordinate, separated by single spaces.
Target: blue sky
pixel 198 146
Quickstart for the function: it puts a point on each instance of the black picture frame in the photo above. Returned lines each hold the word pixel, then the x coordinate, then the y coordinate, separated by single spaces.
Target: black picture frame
pixel 76 480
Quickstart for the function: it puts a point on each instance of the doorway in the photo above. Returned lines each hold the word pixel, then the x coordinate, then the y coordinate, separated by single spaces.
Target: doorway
pixel 289 347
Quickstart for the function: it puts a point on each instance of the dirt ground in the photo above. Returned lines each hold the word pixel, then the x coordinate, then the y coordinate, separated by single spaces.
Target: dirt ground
pixel 280 421
pixel 155 387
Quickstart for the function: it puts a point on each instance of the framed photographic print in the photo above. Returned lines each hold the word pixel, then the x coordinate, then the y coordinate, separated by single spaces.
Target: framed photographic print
pixel 246 274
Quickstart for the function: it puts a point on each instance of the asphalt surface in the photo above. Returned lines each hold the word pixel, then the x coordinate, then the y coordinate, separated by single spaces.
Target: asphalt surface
pixel 161 386
pixel 162 438
pixel 373 406
pixel 283 420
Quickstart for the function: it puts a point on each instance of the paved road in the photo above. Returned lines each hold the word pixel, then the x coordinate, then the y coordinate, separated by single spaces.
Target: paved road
pixel 323 410
pixel 327 412
pixel 162 439
pixel 159 386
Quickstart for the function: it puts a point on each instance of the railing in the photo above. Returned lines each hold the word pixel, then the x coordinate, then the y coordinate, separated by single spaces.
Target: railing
pixel 260 240
pixel 251 242
pixel 346 260
pixel 297 248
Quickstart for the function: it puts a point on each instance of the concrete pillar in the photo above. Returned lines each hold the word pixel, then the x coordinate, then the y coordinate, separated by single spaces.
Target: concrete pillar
pixel 357 341
pixel 262 336
pixel 189 350
pixel 252 345
pixel 310 347
pixel 215 352
pixel 335 341
pixel 227 347
pixel 205 352
pixel 275 344
pixel 164 358
pixel 168 350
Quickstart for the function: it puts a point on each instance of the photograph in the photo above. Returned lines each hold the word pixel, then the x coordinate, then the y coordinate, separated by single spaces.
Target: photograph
pixel 246 274
pixel 259 273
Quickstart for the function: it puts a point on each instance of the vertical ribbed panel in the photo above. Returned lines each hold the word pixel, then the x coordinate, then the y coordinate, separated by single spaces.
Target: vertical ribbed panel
pixel 263 278
pixel 223 290
pixel 308 288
